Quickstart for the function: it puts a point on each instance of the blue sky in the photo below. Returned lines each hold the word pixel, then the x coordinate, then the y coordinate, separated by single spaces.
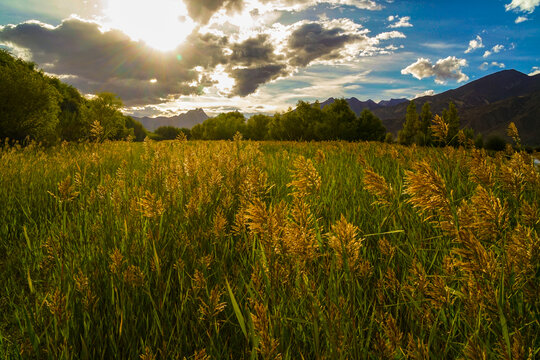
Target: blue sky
pixel 169 56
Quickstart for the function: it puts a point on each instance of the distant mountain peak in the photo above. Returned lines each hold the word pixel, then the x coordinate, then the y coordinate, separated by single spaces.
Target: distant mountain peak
pixel 185 120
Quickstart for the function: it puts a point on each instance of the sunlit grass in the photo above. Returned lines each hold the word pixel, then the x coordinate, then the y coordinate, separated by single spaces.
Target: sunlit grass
pixel 230 250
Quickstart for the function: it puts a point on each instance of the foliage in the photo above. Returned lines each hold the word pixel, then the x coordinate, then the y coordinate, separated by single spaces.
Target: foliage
pixel 495 143
pixel 36 106
pixel 451 117
pixel 139 132
pixel 411 126
pixel 237 250
pixel 28 102
pixel 169 133
pixel 105 109
pixel 370 127
pixel 307 122
pixel 257 127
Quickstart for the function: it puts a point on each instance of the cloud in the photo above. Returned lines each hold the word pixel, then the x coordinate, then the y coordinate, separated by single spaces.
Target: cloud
pixel 425 93
pixel 485 65
pixel 312 41
pixel 444 70
pixel 522 5
pixel 249 79
pixel 256 50
pixel 390 35
pixel 474 44
pixel 97 61
pixel 494 50
pixel 535 71
pixel 402 22
pixel 521 19
pixel 202 11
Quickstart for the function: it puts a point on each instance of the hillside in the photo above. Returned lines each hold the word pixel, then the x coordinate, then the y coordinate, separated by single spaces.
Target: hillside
pixel 186 120
pixel 487 105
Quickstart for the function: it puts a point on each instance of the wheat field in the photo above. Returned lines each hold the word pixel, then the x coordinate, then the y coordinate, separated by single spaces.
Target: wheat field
pixel 247 250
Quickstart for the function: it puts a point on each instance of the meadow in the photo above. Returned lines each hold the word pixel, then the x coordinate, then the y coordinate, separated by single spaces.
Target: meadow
pixel 268 250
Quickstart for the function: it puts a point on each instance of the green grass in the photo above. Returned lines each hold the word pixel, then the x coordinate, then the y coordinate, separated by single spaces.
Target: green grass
pixel 191 278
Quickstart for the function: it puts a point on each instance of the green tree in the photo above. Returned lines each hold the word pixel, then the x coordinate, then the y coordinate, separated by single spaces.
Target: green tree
pixel 138 130
pixel 28 102
pixel 105 109
pixel 451 117
pixel 370 127
pixel 338 122
pixel 423 135
pixel 407 134
pixel 73 124
pixel 257 127
pixel 221 127
pixel 167 132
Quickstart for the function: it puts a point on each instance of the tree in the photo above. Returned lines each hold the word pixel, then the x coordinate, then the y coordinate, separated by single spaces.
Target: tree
pixel 451 117
pixel 338 122
pixel 407 134
pixel 139 132
pixel 370 127
pixel 167 132
pixel 28 102
pixel 423 135
pixel 73 124
pixel 257 127
pixel 221 127
pixel 105 110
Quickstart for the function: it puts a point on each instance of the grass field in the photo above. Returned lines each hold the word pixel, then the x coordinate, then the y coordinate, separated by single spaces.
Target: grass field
pixel 242 250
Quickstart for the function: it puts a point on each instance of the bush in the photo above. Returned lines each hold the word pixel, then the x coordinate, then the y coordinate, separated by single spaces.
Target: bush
pixel 495 143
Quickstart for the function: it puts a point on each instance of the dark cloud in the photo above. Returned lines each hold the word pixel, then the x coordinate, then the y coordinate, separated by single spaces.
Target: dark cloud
pixel 249 79
pixel 112 61
pixel 253 51
pixel 312 41
pixel 94 61
pixel 204 50
pixel 202 10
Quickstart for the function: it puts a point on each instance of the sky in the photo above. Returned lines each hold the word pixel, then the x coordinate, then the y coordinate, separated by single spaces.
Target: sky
pixel 165 57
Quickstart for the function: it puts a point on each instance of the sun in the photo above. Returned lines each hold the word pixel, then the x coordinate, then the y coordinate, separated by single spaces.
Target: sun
pixel 161 24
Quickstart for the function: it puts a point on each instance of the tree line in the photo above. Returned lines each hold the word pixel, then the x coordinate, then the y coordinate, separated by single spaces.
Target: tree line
pixel 305 123
pixel 39 107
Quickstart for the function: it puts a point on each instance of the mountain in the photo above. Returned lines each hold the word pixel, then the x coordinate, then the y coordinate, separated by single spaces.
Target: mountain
pixel 358 106
pixel 186 120
pixel 393 102
pixel 487 105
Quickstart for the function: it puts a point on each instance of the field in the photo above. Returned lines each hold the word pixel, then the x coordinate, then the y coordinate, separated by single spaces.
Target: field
pixel 244 250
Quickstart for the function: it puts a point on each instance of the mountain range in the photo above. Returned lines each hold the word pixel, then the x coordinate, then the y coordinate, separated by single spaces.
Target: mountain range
pixel 487 105
pixel 186 120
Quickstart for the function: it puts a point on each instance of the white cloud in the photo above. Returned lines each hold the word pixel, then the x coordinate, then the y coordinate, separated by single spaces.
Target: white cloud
pixel 522 5
pixel 494 50
pixel 485 65
pixel 535 71
pixel 391 18
pixel 474 44
pixel 402 22
pixel 521 19
pixel 425 93
pixel 390 35
pixel 444 70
